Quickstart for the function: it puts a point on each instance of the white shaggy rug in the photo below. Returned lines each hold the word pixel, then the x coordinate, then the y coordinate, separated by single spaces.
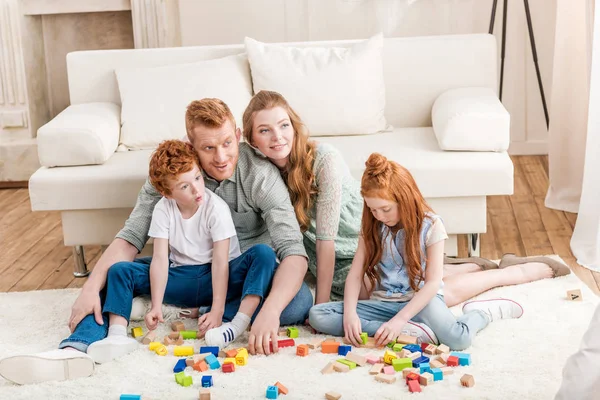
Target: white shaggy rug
pixel 513 359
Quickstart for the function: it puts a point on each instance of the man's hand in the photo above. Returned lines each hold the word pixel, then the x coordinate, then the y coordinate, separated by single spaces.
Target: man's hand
pixel 209 320
pixel 87 302
pixel 389 331
pixel 153 317
pixel 264 330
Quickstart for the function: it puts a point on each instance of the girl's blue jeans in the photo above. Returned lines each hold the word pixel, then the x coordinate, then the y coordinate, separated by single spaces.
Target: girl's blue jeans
pixel 188 286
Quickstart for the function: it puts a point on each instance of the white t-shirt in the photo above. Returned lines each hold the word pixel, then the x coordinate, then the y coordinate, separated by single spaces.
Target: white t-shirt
pixel 191 240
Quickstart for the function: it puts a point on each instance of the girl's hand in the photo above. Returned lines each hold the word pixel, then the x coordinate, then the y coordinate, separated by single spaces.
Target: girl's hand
pixel 389 331
pixel 352 328
pixel 209 320
pixel 153 317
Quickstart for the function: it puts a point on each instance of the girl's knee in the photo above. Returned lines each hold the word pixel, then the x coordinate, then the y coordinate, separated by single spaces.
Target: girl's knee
pixel 457 344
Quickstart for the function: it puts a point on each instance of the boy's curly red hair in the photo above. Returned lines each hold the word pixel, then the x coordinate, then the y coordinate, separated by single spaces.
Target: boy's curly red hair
pixel 170 159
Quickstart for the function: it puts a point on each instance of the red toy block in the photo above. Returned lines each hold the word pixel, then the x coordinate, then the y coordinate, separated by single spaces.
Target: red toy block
pixel 283 343
pixel 302 350
pixel 452 361
pixel 330 347
pixel 424 346
pixel 412 377
pixel 414 387
pixel 229 367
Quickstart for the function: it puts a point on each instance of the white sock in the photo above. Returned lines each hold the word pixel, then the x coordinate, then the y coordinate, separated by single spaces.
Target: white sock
pixel 117 330
pixel 227 332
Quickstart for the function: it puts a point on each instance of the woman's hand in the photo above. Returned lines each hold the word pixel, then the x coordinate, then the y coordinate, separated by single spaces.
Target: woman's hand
pixel 352 328
pixel 389 331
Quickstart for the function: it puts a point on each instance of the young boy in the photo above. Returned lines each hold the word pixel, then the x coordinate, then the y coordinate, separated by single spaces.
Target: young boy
pixel 196 260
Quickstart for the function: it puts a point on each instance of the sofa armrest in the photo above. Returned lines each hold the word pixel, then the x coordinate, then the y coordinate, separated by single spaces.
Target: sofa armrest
pixel 471 119
pixel 82 134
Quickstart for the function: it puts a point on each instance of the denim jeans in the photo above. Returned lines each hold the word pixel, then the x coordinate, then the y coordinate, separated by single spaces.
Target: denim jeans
pixel 456 333
pixel 188 286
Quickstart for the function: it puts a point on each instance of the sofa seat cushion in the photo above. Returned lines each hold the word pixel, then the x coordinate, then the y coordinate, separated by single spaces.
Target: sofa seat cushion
pixel 438 173
pixel 116 183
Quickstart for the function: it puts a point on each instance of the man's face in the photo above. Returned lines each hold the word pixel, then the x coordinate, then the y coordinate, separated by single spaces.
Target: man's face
pixel 218 149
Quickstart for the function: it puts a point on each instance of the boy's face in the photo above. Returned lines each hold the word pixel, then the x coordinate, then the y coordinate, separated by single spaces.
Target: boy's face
pixel 188 188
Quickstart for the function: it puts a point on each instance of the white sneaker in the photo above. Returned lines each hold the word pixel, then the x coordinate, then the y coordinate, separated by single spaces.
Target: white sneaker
pixel 495 308
pixel 111 347
pixel 422 332
pixel 53 365
pixel 141 306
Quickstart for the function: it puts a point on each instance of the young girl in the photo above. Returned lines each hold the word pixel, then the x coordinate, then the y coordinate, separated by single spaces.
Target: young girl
pixel 399 266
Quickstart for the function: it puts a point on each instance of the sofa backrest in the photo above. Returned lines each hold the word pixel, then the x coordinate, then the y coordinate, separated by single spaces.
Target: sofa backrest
pixel 416 70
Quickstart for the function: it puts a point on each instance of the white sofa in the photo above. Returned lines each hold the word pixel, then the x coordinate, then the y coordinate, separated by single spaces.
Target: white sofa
pixel 95 200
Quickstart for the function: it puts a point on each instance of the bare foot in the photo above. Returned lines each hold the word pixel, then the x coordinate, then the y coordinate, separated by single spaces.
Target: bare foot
pixel 455 269
pixel 529 272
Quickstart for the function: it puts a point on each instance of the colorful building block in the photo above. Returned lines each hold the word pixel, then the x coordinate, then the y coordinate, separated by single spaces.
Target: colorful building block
pixel 364 337
pixel 414 387
pixel 437 373
pixel 153 345
pixel 463 358
pixel 230 360
pixel 180 366
pixel 389 370
pixel 189 334
pixel 421 360
pixel 212 361
pixel 149 337
pixel 180 351
pixel 397 347
pixel 130 397
pixel 388 356
pixel 200 366
pixel 272 392
pixel 372 359
pixel 179 377
pixel 210 349
pixel 161 350
pixel 391 344
pixel 282 389
pixel 424 367
pixel 407 371
pixel 412 376
pixel 204 394
pixel 137 332
pixel 385 378
pixel 292 332
pixel 436 363
pixel 447 371
pixel 241 358
pixel 431 349
pixel 283 343
pixel 467 380
pixel 400 363
pixel 228 367
pixel 350 364
pixel 452 361
pixel 231 353
pixel 412 348
pixel 207 381
pixel 330 347
pixel 343 350
pixel 177 326
pixel 187 381
pixel 302 350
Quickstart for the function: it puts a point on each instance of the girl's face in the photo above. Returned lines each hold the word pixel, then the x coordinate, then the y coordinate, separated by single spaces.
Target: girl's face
pixel 383 210
pixel 273 135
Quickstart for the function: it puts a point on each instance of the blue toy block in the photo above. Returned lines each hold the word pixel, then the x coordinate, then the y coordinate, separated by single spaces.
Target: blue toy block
pixel 437 373
pixel 212 362
pixel 424 367
pixel 421 360
pixel 130 397
pixel 180 366
pixel 272 392
pixel 207 381
pixel 463 358
pixel 210 349
pixel 343 350
pixel 412 348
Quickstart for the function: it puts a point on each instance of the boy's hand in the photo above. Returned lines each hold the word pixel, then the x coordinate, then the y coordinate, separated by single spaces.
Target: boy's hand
pixel 209 320
pixel 153 318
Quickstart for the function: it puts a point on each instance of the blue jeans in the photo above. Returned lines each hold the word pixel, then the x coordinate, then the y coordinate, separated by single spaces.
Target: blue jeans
pixel 188 286
pixel 456 333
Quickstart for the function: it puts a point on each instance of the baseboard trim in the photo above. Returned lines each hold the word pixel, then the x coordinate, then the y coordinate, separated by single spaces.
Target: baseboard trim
pixel 14 185
pixel 529 148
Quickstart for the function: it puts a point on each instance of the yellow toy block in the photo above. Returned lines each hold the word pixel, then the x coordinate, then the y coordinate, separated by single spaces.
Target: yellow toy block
pixel 242 357
pixel 161 350
pixel 137 332
pixel 229 360
pixel 389 356
pixel 182 351
pixel 153 345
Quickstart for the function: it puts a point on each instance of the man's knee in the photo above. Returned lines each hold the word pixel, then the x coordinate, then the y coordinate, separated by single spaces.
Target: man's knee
pixel 297 311
pixel 119 269
pixel 264 254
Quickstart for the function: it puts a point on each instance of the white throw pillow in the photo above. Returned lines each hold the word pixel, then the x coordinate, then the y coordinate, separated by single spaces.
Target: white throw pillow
pixel 154 100
pixel 471 119
pixel 336 91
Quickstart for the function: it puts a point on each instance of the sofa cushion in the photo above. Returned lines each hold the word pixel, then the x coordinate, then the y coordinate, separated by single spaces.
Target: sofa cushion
pixel 336 91
pixel 154 100
pixel 471 118
pixel 116 183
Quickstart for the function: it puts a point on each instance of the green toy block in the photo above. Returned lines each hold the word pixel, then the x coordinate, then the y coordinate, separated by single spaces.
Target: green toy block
pixel 189 334
pixel 187 381
pixel 349 363
pixel 397 347
pixel 364 336
pixel 292 332
pixel 179 377
pixel 401 363
pixel 391 344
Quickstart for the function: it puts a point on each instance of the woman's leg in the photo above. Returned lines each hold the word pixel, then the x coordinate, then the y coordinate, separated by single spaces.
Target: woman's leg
pixel 461 287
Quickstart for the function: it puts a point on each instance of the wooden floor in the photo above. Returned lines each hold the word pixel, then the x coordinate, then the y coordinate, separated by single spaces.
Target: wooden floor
pixel 32 255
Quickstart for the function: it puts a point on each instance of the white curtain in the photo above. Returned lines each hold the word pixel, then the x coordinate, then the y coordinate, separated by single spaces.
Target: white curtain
pixel 574 137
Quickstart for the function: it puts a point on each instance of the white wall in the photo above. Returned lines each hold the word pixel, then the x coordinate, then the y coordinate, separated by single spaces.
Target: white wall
pixel 228 21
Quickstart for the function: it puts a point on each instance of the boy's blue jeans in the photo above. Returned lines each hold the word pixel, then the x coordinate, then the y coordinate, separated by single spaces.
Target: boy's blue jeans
pixel 188 286
pixel 456 333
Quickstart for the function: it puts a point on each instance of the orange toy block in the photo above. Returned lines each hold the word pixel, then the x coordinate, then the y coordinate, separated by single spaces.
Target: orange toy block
pixel 406 339
pixel 302 350
pixel 574 295
pixel 356 358
pixel 376 369
pixel 200 366
pixel 467 380
pixel 332 396
pixel 430 349
pixel 315 343
pixel 178 326
pixel 204 394
pixel 330 347
pixel 231 353
pixel 339 367
pixel 149 338
pixel 282 389
pixel 328 368
pixel 385 378
pixel 442 348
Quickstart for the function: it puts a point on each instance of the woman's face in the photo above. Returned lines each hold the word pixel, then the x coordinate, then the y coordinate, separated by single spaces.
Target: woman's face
pixel 273 135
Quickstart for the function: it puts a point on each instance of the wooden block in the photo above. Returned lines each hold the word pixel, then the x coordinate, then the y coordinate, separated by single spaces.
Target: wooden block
pixel 430 349
pixel 415 355
pixel 414 387
pixel 346 362
pixel 199 357
pixel 371 344
pixel 222 354
pixel 376 369
pixel 404 353
pixel 150 336
pixel 442 348
pixel 389 370
pixel 426 379
pixel 467 380
pixel 189 362
pixel 436 364
pixel 385 378
pixel 174 335
pixel 231 353
pixel 406 339
pixel 407 371
pixel 179 341
pixel 330 347
pixel 177 326
pixel 332 396
pixel 389 356
pixel 282 389
pixel 339 367
pixel 282 332
pixel 372 359
pixel 302 350
pixel 328 368
pixel 444 357
pixel 356 358
pixel 167 341
pixel 447 370
pixel 204 394
pixel 315 343
pixel 574 295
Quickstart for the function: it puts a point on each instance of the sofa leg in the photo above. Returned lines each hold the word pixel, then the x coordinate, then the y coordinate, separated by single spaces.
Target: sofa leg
pixel 474 249
pixel 80 270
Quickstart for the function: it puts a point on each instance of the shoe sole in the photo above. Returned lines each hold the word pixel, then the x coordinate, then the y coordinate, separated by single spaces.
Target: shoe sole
pixel 484 301
pixel 105 352
pixel 431 339
pixel 29 369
